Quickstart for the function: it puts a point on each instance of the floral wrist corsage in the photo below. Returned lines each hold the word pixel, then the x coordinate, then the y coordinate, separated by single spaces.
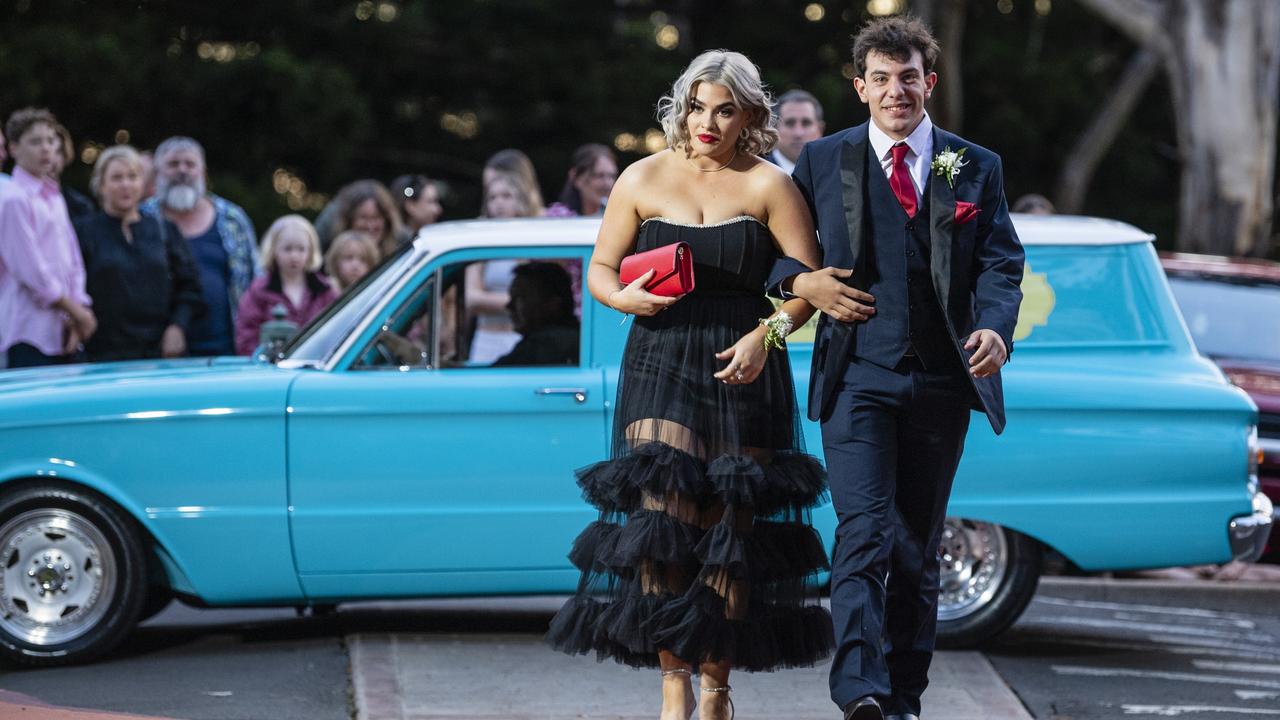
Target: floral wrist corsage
pixel 777 329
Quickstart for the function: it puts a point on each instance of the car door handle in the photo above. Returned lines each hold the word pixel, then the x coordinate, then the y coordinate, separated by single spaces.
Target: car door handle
pixel 579 394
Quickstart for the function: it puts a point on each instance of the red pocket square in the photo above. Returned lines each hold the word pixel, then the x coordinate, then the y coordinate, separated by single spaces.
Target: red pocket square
pixel 966 211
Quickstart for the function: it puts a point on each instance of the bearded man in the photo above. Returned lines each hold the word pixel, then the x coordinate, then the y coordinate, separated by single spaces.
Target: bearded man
pixel 223 243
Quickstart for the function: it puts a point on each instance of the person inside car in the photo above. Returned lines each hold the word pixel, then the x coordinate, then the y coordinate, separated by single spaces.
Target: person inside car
pixel 541 308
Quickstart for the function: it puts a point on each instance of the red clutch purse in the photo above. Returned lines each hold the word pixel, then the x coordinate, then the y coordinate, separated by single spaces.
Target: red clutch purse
pixel 672 266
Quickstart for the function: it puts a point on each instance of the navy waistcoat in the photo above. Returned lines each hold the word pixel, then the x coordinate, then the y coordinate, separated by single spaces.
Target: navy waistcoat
pixel 908 315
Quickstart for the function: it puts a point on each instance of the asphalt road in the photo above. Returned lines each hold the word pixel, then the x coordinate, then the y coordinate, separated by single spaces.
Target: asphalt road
pixel 1071 659
pixel 210 665
pixel 1067 659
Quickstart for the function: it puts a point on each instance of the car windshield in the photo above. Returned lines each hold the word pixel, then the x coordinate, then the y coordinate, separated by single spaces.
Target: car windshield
pixel 1235 320
pixel 323 335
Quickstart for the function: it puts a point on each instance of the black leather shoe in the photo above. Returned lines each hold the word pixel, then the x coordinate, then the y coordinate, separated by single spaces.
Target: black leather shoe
pixel 864 708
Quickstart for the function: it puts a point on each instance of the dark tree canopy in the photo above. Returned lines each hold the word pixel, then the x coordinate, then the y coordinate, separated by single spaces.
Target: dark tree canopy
pixel 294 99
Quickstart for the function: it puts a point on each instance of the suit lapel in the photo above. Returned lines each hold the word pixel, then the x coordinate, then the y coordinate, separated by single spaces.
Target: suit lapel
pixel 942 213
pixel 853 168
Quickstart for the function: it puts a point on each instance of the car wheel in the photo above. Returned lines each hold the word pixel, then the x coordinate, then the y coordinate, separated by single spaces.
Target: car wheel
pixel 989 574
pixel 72 575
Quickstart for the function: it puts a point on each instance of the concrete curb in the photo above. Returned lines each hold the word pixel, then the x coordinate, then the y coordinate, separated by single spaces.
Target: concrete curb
pixel 1240 597
pixel 374 678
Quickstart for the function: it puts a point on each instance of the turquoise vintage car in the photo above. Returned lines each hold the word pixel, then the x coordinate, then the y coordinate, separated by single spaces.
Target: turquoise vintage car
pixel 383 457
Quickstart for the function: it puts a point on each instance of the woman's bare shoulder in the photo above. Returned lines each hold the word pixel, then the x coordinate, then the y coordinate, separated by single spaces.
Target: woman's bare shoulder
pixel 766 174
pixel 643 170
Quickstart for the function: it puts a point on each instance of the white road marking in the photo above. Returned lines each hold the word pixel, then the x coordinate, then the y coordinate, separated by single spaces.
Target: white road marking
pixel 1184 649
pixel 1237 667
pixel 1161 675
pixel 1215 622
pixel 1257 695
pixel 1242 648
pixel 1175 710
pixel 1155 609
pixel 1153 628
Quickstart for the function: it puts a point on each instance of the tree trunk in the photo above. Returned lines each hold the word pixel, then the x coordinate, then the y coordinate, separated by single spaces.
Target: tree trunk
pixel 1094 143
pixel 947 18
pixel 1224 70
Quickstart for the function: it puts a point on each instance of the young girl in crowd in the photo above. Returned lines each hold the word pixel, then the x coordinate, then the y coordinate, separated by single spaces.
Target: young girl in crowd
pixel 351 256
pixel 291 259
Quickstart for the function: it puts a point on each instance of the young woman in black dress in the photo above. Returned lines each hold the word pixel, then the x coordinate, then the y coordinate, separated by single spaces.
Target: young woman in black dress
pixel 703 550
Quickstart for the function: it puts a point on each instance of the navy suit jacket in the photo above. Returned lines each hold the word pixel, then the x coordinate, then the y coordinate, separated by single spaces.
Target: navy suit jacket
pixel 976 266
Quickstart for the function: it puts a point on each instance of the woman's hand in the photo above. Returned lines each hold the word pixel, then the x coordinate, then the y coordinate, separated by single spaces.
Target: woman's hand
pixel 636 300
pixel 746 359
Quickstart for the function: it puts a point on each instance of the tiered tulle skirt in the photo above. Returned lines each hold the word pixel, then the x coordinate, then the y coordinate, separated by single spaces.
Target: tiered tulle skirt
pixel 703 546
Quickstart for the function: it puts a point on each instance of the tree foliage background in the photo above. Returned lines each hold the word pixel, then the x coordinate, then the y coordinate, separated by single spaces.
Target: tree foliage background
pixel 294 99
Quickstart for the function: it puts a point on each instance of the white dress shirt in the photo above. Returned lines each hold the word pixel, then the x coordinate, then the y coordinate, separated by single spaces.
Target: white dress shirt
pixel 781 161
pixel 921 143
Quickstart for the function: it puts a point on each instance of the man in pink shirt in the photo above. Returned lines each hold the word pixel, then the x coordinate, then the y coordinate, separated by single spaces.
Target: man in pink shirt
pixel 44 309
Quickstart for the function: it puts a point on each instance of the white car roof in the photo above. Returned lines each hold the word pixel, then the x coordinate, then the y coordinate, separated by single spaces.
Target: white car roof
pixel 1032 230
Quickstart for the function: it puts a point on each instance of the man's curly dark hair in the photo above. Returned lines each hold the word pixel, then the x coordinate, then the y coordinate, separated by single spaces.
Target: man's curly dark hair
pixel 895 37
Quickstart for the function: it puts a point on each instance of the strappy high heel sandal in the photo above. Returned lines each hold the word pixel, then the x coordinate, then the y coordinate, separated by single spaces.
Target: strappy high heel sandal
pixel 687 673
pixel 725 691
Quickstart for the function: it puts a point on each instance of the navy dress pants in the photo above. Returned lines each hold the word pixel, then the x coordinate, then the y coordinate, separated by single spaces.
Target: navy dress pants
pixel 892 443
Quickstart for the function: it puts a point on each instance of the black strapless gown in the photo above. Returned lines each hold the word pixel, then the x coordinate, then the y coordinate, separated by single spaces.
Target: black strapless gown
pixel 703 546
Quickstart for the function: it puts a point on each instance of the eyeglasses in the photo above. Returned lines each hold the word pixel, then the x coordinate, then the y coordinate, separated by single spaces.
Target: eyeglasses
pixel 802 122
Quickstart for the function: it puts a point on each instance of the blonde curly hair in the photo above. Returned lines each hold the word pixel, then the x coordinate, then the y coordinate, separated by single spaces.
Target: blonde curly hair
pixel 741 77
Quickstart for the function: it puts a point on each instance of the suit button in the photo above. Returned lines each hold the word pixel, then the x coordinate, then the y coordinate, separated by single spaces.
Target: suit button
pixel 911 253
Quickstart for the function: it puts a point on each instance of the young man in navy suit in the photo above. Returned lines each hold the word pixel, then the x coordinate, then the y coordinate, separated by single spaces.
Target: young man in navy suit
pixel 920 294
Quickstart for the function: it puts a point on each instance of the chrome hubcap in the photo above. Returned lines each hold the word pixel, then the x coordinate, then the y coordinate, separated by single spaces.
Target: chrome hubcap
pixel 57 576
pixel 974 558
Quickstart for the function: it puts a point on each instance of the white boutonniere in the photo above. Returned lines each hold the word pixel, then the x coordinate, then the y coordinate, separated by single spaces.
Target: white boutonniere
pixel 947 164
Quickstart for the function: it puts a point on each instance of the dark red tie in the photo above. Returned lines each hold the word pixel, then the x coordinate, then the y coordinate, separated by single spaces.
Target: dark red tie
pixel 900 180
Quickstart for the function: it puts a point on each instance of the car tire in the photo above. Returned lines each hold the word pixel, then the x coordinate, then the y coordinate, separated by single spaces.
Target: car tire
pixel 989 574
pixel 73 574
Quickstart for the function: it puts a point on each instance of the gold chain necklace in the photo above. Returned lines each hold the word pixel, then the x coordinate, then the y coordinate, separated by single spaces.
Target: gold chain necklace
pixel 727 163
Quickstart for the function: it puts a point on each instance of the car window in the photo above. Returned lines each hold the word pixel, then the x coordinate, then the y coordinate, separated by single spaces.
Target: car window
pixel 1235 320
pixel 1086 296
pixel 325 333
pixel 516 312
pixel 406 340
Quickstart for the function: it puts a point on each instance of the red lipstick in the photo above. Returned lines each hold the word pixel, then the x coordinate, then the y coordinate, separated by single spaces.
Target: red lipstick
pixel 708 139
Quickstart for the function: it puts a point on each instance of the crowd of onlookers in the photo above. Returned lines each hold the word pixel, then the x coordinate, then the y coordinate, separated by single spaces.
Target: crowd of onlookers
pixel 157 265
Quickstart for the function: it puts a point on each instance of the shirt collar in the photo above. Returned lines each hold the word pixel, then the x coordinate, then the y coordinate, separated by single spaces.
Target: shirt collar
pixel 31 183
pixel 919 139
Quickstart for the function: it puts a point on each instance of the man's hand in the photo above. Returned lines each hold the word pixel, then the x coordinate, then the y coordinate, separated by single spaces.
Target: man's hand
pixel 173 343
pixel 990 355
pixel 825 290
pixel 72 342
